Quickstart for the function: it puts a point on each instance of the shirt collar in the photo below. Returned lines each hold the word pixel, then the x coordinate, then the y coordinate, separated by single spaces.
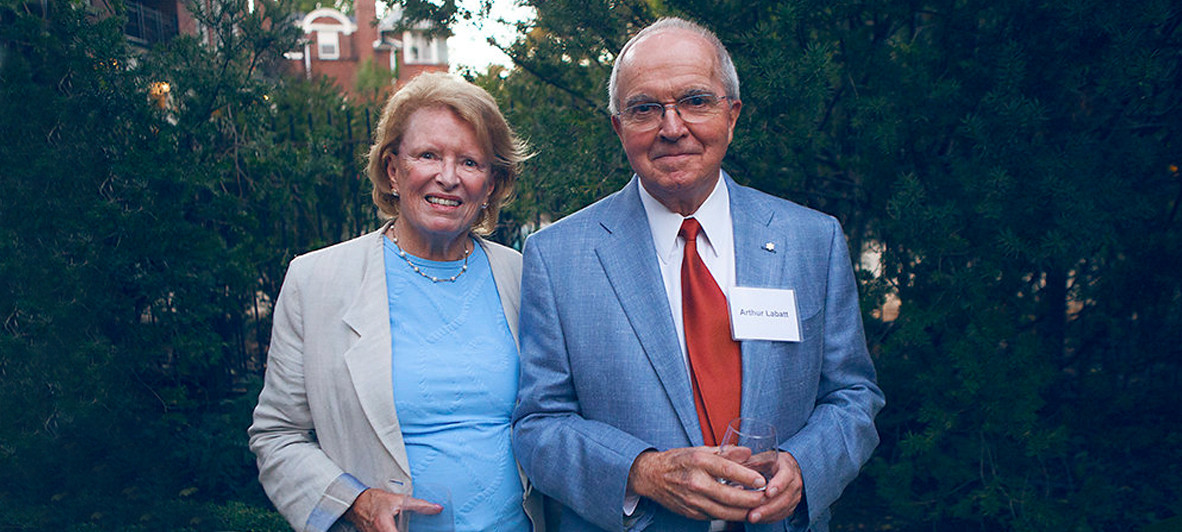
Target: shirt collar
pixel 713 215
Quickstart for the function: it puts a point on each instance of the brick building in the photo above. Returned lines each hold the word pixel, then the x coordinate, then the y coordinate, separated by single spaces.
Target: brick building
pixel 335 45
pixel 339 47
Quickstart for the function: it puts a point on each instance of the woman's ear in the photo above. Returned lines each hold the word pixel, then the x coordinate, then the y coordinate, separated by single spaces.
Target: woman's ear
pixel 392 174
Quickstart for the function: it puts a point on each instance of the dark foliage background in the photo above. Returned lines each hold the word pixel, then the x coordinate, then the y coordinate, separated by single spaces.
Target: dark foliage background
pixel 143 241
pixel 1007 170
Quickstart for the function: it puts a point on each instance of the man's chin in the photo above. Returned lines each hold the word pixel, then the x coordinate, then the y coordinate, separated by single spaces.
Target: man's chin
pixel 679 178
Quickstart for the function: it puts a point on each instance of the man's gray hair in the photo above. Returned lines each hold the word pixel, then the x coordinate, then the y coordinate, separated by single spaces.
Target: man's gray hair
pixel 726 67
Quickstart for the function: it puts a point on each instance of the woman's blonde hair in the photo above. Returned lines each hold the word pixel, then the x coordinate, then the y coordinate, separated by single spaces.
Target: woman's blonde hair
pixel 471 104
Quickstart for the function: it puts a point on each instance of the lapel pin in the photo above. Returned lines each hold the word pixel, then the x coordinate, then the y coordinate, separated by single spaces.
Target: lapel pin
pixel 770 247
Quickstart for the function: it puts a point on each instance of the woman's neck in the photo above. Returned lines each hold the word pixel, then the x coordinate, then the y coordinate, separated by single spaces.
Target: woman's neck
pixel 431 248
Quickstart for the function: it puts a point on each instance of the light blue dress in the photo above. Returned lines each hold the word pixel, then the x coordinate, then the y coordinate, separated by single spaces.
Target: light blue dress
pixel 455 370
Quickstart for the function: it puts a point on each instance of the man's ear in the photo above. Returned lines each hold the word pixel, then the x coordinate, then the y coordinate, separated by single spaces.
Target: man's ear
pixel 733 110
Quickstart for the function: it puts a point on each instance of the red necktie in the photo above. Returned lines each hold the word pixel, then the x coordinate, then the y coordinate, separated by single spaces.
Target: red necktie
pixel 716 367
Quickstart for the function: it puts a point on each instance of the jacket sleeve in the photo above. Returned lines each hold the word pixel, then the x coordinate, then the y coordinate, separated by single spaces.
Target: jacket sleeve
pixel 583 464
pixel 307 488
pixel 840 433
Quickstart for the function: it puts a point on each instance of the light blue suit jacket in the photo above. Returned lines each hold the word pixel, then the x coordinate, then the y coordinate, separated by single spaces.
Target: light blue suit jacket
pixel 603 378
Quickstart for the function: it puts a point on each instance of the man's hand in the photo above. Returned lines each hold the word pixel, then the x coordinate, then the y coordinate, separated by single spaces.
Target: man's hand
pixel 783 492
pixel 686 482
pixel 374 510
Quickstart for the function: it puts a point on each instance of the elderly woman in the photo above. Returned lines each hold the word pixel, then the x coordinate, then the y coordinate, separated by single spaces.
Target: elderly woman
pixel 393 360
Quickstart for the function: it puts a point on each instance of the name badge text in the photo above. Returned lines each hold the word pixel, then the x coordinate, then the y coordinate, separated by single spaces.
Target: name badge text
pixel 764 314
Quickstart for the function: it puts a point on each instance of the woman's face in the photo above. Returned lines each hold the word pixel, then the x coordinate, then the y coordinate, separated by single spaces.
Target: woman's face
pixel 443 178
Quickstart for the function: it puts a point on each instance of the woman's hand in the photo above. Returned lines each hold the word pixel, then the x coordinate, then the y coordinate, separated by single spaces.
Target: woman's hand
pixel 374 510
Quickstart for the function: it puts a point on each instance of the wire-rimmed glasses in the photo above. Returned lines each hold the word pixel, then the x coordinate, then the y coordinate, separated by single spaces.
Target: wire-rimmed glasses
pixel 693 109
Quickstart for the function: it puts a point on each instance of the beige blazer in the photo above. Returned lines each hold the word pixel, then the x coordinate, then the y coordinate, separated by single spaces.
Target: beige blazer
pixel 327 406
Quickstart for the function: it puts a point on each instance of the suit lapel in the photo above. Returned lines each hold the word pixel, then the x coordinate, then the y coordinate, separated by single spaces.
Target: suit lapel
pixel 630 263
pixel 755 266
pixel 369 359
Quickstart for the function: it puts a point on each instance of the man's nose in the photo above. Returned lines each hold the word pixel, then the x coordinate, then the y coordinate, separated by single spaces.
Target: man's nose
pixel 672 125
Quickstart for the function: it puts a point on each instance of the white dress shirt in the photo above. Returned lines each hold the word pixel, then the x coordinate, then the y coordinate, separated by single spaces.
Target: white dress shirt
pixel 716 246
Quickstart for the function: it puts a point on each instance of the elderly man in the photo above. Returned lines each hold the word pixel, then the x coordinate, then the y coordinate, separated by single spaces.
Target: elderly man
pixel 655 316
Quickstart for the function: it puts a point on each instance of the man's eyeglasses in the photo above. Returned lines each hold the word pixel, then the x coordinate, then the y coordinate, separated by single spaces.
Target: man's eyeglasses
pixel 693 109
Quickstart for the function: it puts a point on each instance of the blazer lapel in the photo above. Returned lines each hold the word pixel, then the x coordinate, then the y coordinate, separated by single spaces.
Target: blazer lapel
pixel 507 278
pixel 369 360
pixel 630 263
pixel 757 264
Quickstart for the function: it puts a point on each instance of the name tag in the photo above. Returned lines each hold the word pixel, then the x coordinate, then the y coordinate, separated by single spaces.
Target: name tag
pixel 764 314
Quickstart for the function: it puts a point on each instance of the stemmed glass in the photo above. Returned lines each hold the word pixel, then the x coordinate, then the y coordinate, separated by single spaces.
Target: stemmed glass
pixel 752 443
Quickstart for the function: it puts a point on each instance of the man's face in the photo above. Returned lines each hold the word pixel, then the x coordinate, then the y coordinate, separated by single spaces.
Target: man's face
pixel 678 162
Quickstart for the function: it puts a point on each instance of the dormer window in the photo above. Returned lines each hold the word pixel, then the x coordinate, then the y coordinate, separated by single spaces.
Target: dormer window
pixel 328 25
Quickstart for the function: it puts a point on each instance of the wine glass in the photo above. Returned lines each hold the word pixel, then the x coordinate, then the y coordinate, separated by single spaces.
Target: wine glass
pixel 752 443
pixel 407 521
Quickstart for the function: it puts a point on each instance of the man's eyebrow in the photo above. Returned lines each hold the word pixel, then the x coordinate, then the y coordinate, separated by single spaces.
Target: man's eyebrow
pixel 694 91
pixel 645 98
pixel 639 99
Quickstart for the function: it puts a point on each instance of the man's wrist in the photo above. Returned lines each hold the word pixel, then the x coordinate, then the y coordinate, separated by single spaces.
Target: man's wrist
pixel 636 474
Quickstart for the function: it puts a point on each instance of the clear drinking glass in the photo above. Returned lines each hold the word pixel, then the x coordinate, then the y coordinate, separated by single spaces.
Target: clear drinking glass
pixel 752 443
pixel 444 521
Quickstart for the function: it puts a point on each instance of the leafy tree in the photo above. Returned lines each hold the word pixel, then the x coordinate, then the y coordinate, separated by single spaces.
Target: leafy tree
pixel 307 6
pixel 374 82
pixel 1035 390
pixel 144 238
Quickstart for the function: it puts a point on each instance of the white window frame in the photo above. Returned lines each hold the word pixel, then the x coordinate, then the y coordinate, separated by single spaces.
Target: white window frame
pixel 328 45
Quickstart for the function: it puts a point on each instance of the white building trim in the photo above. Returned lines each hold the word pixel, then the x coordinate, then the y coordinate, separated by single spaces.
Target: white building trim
pixel 343 24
